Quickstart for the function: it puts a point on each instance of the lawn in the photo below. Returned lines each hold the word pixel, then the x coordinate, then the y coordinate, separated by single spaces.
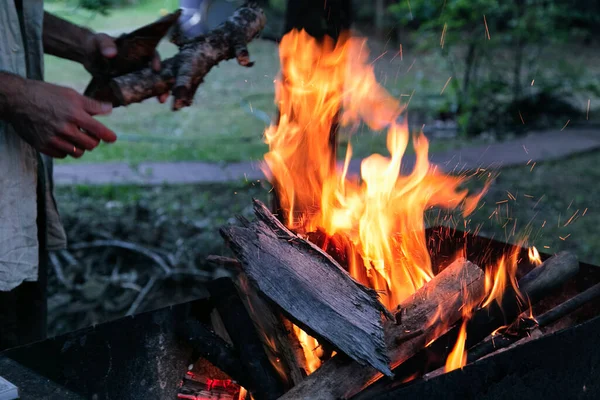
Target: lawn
pixel 232 107
pixel 555 204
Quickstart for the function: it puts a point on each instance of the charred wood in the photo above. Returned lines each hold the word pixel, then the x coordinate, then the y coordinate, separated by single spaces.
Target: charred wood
pixel 208 345
pixel 241 330
pixel 538 283
pixel 494 343
pixel 430 312
pixel 311 288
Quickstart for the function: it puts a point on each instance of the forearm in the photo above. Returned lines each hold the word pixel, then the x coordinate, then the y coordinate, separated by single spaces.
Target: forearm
pixel 11 87
pixel 64 39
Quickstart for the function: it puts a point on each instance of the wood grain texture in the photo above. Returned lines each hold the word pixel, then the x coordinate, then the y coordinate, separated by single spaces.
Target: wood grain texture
pixel 432 309
pixel 311 288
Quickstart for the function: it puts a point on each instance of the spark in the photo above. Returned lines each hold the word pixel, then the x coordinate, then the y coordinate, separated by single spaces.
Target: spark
pixel 544 224
pixel 563 128
pixel 398 54
pixel 411 65
pixel 521 116
pixel 251 109
pixel 570 204
pixel 571 219
pixel 529 162
pixel 538 202
pixel 383 54
pixel 532 167
pixel 410 98
pixel 510 195
pixel 487 31
pixel 584 211
pixel 532 82
pixel 564 238
pixel 587 115
pixel 447 82
pixel 525 148
pixel 546 247
pixel 442 39
pixel 502 202
pixel 528 195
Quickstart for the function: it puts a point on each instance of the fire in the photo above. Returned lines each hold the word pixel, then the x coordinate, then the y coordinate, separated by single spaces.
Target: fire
pixel 380 215
pixel 458 356
pixel 310 347
pixel 376 220
pixel 534 256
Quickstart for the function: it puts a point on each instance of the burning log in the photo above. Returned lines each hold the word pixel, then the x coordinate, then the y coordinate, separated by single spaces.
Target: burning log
pixel 430 311
pixel 311 288
pixel 216 350
pixel 184 72
pixel 538 283
pixel 493 343
pixel 241 330
pixel 277 332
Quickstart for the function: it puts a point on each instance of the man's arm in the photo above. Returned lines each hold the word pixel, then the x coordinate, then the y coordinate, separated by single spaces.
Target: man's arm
pixel 66 40
pixel 10 87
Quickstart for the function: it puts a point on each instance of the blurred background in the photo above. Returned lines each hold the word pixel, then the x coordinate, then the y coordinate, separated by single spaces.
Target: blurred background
pixel 477 75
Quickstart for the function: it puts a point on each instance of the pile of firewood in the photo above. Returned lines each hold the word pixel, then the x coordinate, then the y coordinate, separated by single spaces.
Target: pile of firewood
pixel 283 279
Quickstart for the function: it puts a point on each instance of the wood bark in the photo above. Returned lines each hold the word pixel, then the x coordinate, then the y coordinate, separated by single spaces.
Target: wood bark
pixel 277 332
pixel 241 330
pixel 311 288
pixel 184 72
pixel 432 310
pixel 538 283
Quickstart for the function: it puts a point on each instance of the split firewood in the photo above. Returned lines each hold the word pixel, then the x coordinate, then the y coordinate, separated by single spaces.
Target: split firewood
pixel 277 331
pixel 430 312
pixel 312 289
pixel 183 73
pixel 538 283
pixel 241 329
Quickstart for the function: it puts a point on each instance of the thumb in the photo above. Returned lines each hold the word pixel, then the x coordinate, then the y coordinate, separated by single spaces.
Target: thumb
pixel 106 45
pixel 94 107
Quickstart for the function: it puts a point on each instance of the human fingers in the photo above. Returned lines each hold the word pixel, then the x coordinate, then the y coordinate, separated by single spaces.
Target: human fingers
pixel 106 45
pixel 62 146
pixel 82 140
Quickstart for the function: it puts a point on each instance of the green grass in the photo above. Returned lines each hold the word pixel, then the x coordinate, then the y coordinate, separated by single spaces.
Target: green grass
pixel 553 204
pixel 227 120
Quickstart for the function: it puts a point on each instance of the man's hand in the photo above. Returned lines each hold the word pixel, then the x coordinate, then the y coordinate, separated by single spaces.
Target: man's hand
pixel 100 47
pixel 55 120
pixel 66 40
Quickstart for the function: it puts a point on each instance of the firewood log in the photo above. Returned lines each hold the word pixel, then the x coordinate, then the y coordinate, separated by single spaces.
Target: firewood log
pixel 241 329
pixel 430 311
pixel 311 288
pixel 184 72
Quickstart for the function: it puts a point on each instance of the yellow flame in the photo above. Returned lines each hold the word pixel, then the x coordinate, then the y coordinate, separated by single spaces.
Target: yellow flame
pixel 458 356
pixel 534 256
pixel 311 349
pixel 377 218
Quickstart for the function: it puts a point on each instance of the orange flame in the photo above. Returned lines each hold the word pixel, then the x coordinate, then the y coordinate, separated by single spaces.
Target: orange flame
pixel 498 277
pixel 382 215
pixel 311 349
pixel 377 218
pixel 534 256
pixel 458 356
